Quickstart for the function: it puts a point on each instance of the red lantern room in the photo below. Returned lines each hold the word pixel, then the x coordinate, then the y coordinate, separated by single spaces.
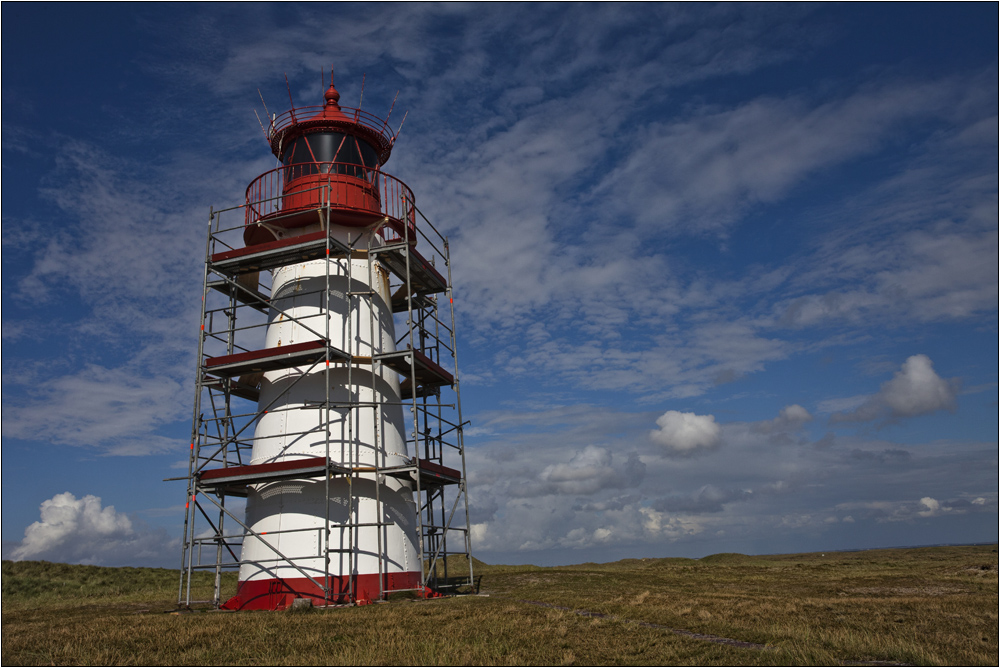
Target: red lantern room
pixel 331 171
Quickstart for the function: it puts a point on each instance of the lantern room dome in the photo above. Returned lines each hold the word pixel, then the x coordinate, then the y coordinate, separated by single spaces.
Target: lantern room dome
pixel 330 117
pixel 331 162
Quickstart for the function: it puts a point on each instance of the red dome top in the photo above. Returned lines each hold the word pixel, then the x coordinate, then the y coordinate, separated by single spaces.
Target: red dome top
pixel 331 96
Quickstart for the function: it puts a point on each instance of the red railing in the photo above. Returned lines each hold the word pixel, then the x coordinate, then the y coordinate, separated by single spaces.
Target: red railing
pixel 305 115
pixel 355 193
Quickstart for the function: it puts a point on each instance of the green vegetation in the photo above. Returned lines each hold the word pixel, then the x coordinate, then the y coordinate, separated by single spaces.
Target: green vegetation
pixel 927 606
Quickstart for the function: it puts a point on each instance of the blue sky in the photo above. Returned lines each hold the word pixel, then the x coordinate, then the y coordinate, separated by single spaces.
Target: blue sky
pixel 726 275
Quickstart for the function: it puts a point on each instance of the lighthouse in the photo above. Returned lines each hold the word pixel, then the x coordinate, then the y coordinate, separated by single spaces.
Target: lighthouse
pixel 327 386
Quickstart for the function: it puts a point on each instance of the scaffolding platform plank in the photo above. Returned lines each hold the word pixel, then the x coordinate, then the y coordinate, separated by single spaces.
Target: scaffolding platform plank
pixel 275 254
pixel 431 473
pixel 428 372
pixel 233 480
pixel 269 359
pixel 253 298
pixel 399 305
pixel 236 388
pixel 424 278
pixel 406 391
pixel 438 474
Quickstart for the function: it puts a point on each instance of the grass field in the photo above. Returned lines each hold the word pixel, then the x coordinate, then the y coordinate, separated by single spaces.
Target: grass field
pixel 924 606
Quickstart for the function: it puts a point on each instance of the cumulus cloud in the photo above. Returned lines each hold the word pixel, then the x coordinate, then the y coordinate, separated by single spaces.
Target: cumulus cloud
pixel 82 531
pixel 789 419
pixel 686 433
pixel 662 525
pixel 591 470
pixel 914 390
pixel 66 519
pixel 933 506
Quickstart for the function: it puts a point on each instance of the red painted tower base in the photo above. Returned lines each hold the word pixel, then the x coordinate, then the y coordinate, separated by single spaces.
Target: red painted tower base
pixel 278 594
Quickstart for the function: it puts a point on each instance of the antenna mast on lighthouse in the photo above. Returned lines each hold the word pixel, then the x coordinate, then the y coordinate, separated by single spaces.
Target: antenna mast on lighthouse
pixel 327 390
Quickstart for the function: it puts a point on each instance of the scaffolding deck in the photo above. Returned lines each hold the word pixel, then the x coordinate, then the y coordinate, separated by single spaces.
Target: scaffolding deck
pixel 237 388
pixel 399 304
pixel 233 480
pixel 243 293
pixel 276 254
pixel 270 359
pixel 406 390
pixel 438 474
pixel 431 473
pixel 424 278
pixel 428 372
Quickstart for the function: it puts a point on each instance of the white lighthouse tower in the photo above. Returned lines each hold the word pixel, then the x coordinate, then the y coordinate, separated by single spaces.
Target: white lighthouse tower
pixel 346 446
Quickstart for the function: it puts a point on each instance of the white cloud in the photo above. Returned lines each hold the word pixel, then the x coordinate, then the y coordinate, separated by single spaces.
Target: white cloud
pixel 910 511
pixel 588 471
pixel 921 276
pixel 113 410
pixel 530 492
pixel 478 532
pixel 662 525
pixel 914 390
pixel 703 172
pixel 932 507
pixel 686 433
pixel 81 531
pixel 917 390
pixel 790 418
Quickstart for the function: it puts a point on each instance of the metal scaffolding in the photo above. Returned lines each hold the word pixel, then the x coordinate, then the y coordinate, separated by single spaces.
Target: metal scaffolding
pixel 237 306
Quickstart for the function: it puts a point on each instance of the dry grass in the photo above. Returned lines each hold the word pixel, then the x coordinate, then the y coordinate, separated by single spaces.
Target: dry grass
pixel 930 606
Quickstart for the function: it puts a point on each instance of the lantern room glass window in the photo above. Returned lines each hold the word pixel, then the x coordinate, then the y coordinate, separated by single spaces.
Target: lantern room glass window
pixel 330 152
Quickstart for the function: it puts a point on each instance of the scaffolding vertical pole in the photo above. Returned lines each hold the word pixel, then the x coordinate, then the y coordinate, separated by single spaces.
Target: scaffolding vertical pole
pixel 327 580
pixel 440 434
pixel 376 410
pixel 225 440
pixel 413 387
pixel 353 529
pixel 460 431
pixel 189 511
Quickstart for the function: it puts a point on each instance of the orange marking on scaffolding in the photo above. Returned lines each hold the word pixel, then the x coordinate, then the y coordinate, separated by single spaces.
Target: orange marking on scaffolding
pixel 203 328
pixel 327 251
pixel 192 446
pixel 187 505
